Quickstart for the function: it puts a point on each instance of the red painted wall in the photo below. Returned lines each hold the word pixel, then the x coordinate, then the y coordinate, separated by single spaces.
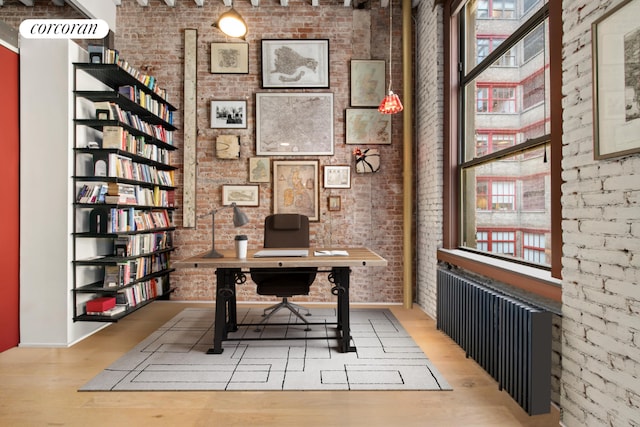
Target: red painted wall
pixel 9 189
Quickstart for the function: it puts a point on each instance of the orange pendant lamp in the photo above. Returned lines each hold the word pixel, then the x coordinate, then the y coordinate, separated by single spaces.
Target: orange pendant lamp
pixel 391 103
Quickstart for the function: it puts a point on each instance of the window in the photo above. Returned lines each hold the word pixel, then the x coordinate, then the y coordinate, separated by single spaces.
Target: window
pixel 533 247
pixel 533 43
pixel 503 9
pixel 487 44
pixel 489 142
pixel 496 99
pixel 504 167
pixel 497 242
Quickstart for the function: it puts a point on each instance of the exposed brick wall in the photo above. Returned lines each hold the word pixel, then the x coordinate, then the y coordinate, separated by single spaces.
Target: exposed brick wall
pixel 371 212
pixel 429 149
pixel 601 254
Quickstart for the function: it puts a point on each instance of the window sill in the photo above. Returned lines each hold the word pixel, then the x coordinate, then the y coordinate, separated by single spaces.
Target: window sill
pixel 530 279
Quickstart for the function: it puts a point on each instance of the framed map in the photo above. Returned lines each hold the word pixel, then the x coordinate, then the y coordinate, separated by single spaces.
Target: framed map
pixel 295 187
pixel 294 124
pixel 367 82
pixel 300 63
pixel 367 126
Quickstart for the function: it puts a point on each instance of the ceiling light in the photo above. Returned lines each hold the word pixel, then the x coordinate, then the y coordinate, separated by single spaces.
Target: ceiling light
pixel 391 103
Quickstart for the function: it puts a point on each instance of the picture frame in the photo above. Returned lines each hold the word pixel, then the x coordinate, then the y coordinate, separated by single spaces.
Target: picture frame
pixel 228 114
pixel 368 82
pixel 241 195
pixel 334 203
pixel 295 187
pixel 299 63
pixel 366 126
pixel 229 58
pixel 616 81
pixel 259 169
pixel 228 147
pixel 337 176
pixel 294 124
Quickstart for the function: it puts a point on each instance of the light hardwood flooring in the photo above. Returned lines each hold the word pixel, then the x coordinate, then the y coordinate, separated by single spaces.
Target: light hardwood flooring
pixel 38 387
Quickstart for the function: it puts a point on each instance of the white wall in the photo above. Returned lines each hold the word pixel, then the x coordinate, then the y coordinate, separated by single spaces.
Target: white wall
pixel 601 254
pixel 429 141
pixel 46 193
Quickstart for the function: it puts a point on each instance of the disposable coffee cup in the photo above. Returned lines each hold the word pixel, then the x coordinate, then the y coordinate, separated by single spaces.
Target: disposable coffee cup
pixel 241 246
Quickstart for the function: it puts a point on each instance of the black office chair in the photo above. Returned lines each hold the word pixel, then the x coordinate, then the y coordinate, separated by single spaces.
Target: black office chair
pixel 285 231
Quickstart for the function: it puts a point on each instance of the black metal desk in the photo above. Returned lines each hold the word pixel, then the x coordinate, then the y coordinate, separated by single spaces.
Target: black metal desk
pixel 231 271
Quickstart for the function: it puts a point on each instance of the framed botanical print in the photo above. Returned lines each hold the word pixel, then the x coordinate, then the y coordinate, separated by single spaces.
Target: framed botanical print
pixel 300 63
pixel 229 114
pixel 295 187
pixel 366 126
pixel 294 124
pixel 367 82
pixel 229 58
pixel 241 195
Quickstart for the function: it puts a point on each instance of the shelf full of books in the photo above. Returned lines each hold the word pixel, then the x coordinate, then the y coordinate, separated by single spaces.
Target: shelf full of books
pixel 124 187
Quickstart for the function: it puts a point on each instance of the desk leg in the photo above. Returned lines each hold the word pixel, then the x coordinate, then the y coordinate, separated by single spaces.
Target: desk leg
pixel 341 278
pixel 225 298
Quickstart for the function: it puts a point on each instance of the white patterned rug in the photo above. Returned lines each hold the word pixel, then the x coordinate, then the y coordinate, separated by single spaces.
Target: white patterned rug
pixel 174 357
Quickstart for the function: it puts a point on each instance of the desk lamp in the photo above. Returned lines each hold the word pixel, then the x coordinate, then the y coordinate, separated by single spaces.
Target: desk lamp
pixel 239 219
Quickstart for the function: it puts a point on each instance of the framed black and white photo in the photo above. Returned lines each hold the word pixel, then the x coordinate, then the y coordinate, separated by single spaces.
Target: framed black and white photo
pixel 229 114
pixel 294 124
pixel 337 176
pixel 366 126
pixel 367 82
pixel 241 195
pixel 295 187
pixel 229 58
pixel 302 63
pixel 616 85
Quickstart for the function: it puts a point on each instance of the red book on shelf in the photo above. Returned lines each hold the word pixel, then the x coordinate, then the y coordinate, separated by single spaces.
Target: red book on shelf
pixel 100 304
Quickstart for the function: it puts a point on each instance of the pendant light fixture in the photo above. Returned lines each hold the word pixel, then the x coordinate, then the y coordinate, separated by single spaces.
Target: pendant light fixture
pixel 391 103
pixel 232 24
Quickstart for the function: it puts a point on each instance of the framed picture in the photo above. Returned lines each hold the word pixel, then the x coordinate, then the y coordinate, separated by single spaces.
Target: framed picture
pixel 294 124
pixel 228 147
pixel 337 176
pixel 366 126
pixel 229 58
pixel 367 82
pixel 334 203
pixel 228 114
pixel 616 86
pixel 295 187
pixel 298 64
pixel 259 169
pixel 241 195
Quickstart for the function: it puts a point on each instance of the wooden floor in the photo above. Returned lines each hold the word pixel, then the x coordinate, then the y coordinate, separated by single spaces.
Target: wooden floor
pixel 38 388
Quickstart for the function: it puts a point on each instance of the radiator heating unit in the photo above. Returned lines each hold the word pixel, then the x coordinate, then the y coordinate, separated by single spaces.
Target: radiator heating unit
pixel 510 339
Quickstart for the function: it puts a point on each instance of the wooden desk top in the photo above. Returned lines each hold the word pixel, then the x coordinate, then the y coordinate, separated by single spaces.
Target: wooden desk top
pixel 357 257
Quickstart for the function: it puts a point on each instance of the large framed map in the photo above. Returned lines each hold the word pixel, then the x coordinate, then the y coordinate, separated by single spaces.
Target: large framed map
pixel 294 124
pixel 296 188
pixel 302 63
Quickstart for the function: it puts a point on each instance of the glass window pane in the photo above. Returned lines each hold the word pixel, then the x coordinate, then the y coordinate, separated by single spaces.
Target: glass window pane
pixel 509 101
pixel 506 206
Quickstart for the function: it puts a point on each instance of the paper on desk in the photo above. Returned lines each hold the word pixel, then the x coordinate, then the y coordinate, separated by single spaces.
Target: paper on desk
pixel 331 253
